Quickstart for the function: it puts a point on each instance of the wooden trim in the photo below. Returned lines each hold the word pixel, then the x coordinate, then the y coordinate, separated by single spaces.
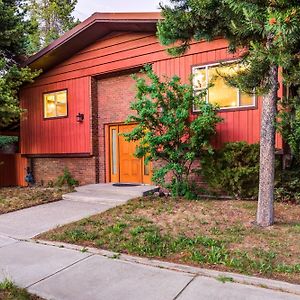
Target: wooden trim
pixel 125 71
pixel 58 155
pixel 107 152
pixel 145 179
pixel 114 177
pixel 10 133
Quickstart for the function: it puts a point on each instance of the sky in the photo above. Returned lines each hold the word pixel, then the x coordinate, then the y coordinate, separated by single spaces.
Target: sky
pixel 85 8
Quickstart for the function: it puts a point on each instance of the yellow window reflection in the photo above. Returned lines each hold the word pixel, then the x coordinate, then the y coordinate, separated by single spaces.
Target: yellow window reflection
pixel 219 92
pixel 55 104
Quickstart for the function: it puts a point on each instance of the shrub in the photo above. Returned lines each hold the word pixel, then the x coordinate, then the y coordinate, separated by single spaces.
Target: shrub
pixel 287 188
pixel 234 169
pixel 165 130
pixel 66 179
pixel 8 140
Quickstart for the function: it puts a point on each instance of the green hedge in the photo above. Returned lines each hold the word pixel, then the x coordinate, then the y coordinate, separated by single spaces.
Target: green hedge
pixel 233 170
pixel 7 140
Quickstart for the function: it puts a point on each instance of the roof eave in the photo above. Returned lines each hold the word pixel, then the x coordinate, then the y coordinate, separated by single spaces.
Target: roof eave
pixel 90 23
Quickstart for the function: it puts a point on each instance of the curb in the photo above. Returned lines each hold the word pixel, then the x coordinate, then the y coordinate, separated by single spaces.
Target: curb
pixel 234 277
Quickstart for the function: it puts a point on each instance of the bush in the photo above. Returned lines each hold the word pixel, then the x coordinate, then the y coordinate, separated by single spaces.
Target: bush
pixel 8 140
pixel 234 169
pixel 66 179
pixel 287 188
pixel 167 133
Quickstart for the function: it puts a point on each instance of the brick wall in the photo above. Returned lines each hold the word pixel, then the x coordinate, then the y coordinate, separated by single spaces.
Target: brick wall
pixel 48 169
pixel 114 97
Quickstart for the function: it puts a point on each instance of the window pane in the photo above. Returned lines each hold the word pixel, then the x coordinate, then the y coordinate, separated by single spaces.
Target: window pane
pixel 61 97
pixel 195 104
pixel 247 100
pixel 146 168
pixel 49 106
pixel 220 93
pixel 114 151
pixel 55 104
pixel 199 78
pixel 61 110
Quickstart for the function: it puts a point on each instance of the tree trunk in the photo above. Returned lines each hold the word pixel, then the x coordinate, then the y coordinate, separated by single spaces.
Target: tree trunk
pixel 265 210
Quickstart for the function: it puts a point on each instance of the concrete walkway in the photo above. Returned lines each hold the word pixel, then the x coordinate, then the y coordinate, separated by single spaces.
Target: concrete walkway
pixel 61 271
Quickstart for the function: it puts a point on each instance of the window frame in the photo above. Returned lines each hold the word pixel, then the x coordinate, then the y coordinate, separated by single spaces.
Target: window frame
pixel 67 104
pixel 232 108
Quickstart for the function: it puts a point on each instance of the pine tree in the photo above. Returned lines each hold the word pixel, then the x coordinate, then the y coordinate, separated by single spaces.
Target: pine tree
pixel 51 18
pixel 14 31
pixel 269 30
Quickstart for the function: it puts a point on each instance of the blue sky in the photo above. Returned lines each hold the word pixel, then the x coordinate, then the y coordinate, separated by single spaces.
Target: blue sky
pixel 85 8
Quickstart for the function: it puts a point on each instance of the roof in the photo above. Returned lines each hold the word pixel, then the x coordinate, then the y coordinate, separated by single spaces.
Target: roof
pixel 95 27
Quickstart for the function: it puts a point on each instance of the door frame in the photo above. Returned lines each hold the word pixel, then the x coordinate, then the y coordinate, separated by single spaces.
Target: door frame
pixel 115 177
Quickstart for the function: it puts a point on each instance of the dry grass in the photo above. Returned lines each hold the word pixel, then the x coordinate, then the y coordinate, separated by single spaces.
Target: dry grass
pixel 12 199
pixel 211 233
pixel 9 291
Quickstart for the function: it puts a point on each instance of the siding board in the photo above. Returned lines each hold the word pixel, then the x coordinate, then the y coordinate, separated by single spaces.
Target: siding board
pixel 116 52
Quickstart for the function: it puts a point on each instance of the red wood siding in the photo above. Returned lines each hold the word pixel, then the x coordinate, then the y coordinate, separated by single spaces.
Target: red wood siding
pixel 118 51
pixel 12 170
pixel 58 135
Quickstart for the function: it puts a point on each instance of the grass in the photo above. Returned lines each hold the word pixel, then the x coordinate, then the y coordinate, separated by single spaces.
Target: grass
pixel 9 291
pixel 12 199
pixel 210 233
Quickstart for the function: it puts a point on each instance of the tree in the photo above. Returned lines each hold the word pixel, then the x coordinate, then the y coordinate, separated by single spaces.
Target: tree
pixel 14 31
pixel 51 18
pixel 165 129
pixel 269 33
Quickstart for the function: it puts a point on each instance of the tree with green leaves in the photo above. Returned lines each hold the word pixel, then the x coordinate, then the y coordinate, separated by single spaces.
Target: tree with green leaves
pixel 51 18
pixel 165 130
pixel 14 32
pixel 269 31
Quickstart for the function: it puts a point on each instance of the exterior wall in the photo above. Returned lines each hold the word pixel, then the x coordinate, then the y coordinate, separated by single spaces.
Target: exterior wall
pixel 46 170
pixel 57 135
pixel 115 53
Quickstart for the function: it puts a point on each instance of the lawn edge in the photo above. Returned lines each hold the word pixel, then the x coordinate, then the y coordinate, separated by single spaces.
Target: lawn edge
pixel 34 205
pixel 271 284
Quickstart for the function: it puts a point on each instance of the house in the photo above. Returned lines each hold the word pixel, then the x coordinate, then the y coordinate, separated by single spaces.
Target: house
pixel 76 109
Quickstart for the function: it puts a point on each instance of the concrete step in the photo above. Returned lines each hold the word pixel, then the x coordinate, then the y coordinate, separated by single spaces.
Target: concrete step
pixel 104 198
pixel 134 191
pixel 108 194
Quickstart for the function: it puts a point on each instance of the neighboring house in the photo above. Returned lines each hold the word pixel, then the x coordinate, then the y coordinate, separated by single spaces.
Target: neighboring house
pixel 77 107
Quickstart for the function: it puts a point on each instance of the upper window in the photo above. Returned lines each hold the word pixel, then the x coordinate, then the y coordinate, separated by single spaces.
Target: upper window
pixel 55 104
pixel 220 93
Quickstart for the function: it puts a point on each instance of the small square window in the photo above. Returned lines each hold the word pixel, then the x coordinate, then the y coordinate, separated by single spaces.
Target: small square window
pixel 55 104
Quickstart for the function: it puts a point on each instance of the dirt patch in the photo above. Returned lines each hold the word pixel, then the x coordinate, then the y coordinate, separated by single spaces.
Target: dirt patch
pixel 12 199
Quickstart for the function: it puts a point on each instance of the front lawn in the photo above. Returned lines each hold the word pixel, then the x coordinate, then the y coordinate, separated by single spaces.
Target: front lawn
pixel 12 199
pixel 211 233
pixel 9 291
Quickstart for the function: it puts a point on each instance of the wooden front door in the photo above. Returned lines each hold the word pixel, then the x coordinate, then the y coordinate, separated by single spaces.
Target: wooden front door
pixel 124 166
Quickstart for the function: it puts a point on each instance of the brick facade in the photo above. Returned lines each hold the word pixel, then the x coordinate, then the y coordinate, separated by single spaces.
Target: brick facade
pixel 110 102
pixel 46 170
pixel 114 97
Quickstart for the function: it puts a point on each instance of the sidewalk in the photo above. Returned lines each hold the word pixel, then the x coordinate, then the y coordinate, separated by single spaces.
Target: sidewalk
pixel 61 271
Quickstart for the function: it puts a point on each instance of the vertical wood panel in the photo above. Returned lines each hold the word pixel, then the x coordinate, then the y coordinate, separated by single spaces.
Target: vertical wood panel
pixel 61 136
pixel 12 170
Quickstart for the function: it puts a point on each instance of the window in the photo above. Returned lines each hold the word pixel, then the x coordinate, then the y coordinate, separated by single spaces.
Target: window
pixel 55 104
pixel 220 93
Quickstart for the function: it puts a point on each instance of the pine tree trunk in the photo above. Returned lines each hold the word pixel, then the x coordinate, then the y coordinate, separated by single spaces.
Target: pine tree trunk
pixel 265 210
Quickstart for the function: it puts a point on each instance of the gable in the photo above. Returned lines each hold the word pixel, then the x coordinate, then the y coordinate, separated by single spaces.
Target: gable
pixel 95 27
